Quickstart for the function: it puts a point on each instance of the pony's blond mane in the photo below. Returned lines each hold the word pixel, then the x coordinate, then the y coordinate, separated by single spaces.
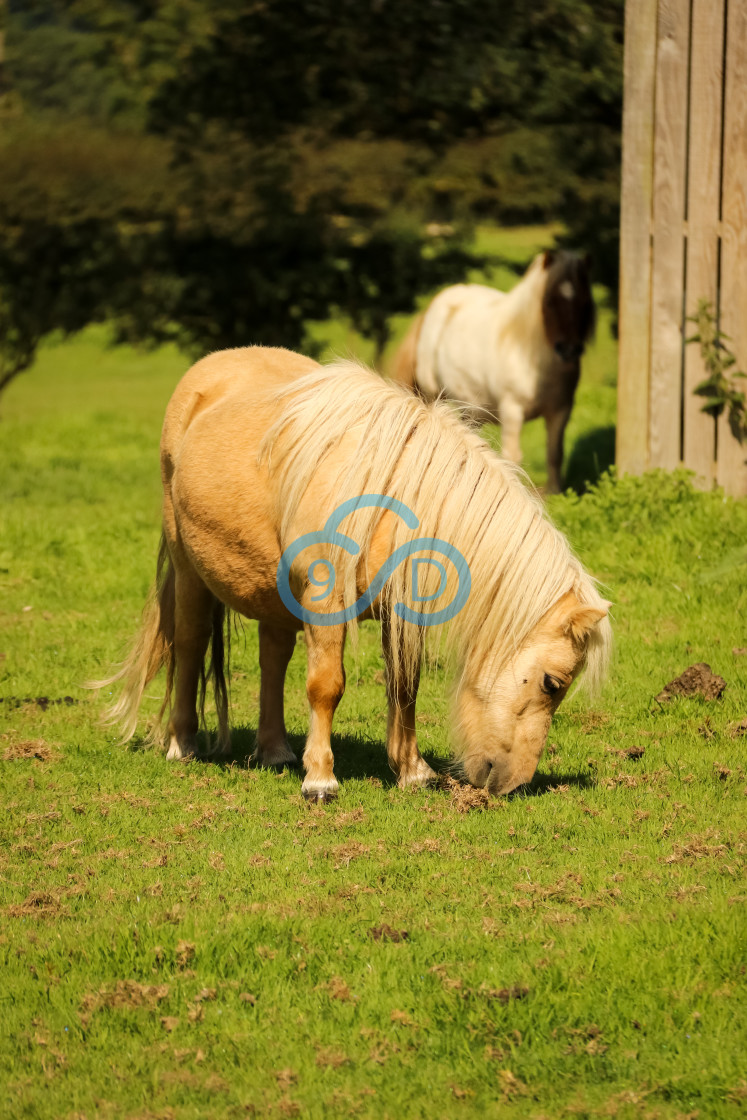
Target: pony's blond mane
pixel 460 490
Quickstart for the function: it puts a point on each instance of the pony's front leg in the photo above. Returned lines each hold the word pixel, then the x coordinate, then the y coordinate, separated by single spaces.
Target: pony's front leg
pixel 401 741
pixel 275 651
pixel 512 420
pixel 556 424
pixel 325 685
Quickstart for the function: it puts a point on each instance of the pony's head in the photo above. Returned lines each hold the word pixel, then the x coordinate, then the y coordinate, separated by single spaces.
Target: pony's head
pixel 503 720
pixel 568 311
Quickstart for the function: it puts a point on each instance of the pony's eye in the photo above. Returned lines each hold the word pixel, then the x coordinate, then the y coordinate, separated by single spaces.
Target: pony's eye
pixel 550 685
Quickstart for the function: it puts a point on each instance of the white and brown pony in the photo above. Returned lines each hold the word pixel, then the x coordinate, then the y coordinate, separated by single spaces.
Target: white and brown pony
pixel 259 448
pixel 508 356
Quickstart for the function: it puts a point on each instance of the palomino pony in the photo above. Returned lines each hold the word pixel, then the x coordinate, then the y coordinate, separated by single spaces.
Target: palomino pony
pixel 508 356
pixel 260 447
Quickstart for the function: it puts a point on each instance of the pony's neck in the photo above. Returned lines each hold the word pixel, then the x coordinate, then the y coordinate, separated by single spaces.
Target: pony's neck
pixel 525 322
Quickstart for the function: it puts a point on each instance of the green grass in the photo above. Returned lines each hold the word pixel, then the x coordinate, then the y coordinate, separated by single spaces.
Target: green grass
pixel 143 902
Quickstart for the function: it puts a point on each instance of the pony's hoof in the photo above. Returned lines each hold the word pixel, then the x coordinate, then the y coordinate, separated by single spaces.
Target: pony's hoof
pixel 319 796
pixel 420 777
pixel 282 760
pixel 279 767
pixel 177 753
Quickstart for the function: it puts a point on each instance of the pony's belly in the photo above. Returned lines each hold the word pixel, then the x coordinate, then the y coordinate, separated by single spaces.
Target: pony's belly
pixel 222 513
pixel 237 572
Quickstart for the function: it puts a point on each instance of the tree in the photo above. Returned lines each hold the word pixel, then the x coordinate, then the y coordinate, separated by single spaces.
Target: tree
pixel 291 160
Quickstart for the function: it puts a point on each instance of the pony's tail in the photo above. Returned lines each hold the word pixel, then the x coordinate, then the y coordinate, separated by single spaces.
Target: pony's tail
pixel 153 648
pixel 404 366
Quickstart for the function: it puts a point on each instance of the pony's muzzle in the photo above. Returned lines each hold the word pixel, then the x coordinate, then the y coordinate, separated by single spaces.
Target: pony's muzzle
pixel 490 774
pixel 569 351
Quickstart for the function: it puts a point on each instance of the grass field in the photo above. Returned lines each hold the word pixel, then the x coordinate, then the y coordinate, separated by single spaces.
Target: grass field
pixel 191 940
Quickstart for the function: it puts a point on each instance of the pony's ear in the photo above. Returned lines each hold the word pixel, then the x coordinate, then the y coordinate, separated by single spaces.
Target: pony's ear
pixel 549 258
pixel 582 620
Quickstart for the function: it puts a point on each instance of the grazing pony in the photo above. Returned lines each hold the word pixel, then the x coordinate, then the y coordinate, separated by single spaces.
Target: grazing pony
pixel 259 448
pixel 508 356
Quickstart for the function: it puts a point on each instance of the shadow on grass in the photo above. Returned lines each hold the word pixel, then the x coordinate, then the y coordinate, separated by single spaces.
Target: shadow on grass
pixel 355 757
pixel 592 454
pixel 548 783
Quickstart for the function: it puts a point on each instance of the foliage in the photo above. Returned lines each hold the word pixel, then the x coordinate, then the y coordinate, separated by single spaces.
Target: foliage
pixel 78 211
pixel 718 387
pixel 216 253
pixel 311 158
pixel 193 940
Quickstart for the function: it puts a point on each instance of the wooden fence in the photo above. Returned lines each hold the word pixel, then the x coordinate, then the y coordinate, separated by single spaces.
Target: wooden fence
pixel 683 230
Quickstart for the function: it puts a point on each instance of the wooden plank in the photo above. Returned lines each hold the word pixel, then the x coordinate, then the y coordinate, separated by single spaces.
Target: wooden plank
pixel 732 471
pixel 703 203
pixel 667 278
pixel 635 237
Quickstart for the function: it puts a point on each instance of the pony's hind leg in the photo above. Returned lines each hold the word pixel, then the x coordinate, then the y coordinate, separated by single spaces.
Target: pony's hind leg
pixel 193 623
pixel 325 685
pixel 401 741
pixel 275 651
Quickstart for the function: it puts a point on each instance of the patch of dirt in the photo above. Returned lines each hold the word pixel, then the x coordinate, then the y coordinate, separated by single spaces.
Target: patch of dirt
pixel 737 729
pixel 124 995
pixel 39 904
pixel 205 994
pixel 286 1077
pixel 331 1059
pixel 739 651
pixel 337 989
pixel 629 752
pixel 629 781
pixel 288 1107
pixel 28 748
pixel 185 951
pixel 42 702
pixel 586 1040
pixel 346 819
pixel 696 680
pixel 510 1085
pixel 503 995
pixel 564 890
pixel 464 797
pixel 591 721
pixel 386 933
pixel 344 853
pixel 695 849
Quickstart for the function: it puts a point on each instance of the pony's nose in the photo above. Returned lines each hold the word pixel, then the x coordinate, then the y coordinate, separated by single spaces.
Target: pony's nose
pixel 481 774
pixel 569 351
